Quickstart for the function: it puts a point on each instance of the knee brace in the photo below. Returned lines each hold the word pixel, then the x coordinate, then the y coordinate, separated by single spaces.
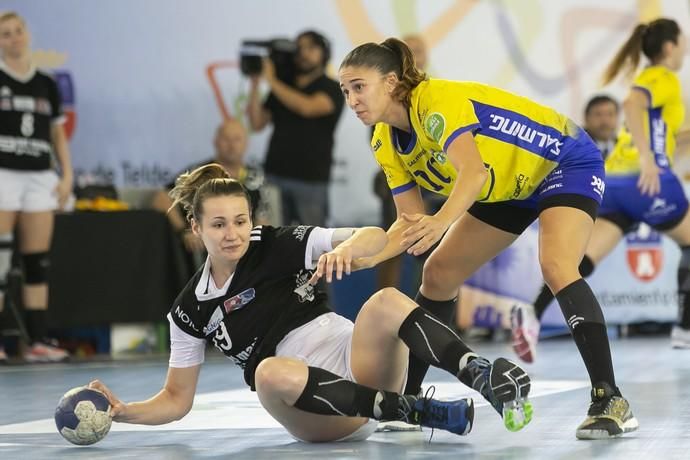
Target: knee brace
pixel 36 267
pixel 579 305
pixel 586 267
pixel 5 259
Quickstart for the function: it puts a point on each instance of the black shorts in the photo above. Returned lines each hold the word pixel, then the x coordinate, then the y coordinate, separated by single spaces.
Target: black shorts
pixel 511 218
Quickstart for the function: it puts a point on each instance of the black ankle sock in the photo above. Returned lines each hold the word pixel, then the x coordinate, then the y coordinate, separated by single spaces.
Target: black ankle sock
pixel 433 342
pixel 586 321
pixel 417 368
pixel 36 324
pixel 328 394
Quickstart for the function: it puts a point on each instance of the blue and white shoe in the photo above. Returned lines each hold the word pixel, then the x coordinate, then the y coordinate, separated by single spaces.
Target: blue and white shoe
pixel 454 416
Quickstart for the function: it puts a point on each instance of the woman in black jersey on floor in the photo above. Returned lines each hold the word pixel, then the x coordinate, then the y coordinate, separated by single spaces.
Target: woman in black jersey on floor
pixel 321 376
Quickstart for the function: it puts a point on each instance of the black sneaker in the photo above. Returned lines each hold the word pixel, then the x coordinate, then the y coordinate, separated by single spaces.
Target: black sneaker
pixel 505 385
pixel 609 415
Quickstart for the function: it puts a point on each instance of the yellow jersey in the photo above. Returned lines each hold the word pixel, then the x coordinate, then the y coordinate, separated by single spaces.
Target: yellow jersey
pixel 520 141
pixel 664 118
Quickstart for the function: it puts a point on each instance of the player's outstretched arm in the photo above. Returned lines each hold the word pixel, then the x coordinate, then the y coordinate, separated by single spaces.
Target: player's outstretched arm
pixel 349 244
pixel 172 403
pixel 407 203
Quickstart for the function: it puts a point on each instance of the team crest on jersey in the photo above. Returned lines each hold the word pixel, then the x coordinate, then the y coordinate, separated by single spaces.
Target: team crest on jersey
pixel 304 289
pixel 214 322
pixel 434 125
pixel 644 254
pixel 240 300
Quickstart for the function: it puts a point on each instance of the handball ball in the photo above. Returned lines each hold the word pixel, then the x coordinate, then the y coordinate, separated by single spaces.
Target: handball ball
pixel 83 416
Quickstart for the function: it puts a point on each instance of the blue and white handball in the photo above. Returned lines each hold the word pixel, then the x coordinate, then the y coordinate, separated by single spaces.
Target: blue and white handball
pixel 83 416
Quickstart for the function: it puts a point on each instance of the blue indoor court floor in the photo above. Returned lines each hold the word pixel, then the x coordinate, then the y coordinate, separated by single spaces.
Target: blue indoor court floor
pixel 228 422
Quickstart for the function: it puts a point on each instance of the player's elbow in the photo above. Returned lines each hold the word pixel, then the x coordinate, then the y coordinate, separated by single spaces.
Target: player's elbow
pixel 182 409
pixel 480 175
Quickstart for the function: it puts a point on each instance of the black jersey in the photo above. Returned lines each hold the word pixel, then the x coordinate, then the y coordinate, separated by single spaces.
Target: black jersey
pixel 269 295
pixel 28 108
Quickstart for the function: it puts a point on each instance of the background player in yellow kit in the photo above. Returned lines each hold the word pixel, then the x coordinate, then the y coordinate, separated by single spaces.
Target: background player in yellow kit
pixel 640 186
pixel 502 160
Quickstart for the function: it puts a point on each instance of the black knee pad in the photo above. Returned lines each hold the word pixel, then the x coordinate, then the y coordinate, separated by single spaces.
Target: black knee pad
pixel 586 267
pixel 36 267
pixel 579 305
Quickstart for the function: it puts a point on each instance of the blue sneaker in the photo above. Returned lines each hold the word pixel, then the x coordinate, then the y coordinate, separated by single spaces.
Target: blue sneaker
pixel 505 385
pixel 454 416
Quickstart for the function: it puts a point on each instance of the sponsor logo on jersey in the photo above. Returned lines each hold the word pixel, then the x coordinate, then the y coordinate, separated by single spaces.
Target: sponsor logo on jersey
pixel 598 185
pixel 300 232
pixel 520 182
pixel 377 145
pixel 304 289
pixel 644 253
pixel 184 317
pixel 214 322
pixel 525 133
pixel 440 156
pixel 660 207
pixel 242 357
pixel 5 91
pixel 434 125
pixel 240 300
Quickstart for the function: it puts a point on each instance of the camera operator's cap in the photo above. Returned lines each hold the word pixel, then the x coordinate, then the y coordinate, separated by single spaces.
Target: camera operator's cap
pixel 320 40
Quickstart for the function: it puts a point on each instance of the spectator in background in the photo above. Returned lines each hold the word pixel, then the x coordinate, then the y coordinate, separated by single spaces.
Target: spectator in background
pixel 32 133
pixel 304 113
pixel 388 272
pixel 230 144
pixel 602 122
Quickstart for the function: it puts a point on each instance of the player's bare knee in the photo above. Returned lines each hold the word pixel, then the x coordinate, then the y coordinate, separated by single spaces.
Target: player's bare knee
pixel 436 277
pixel 555 271
pixel 379 305
pixel 273 378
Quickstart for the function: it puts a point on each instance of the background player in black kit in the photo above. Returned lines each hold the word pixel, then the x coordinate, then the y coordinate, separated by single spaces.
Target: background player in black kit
pixel 31 136
pixel 255 300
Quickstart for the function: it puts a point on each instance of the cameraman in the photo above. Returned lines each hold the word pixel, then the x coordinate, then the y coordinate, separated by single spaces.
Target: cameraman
pixel 304 113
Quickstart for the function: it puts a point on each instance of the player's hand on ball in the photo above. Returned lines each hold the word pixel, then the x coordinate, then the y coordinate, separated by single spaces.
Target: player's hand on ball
pixel 424 232
pixel 117 409
pixel 339 259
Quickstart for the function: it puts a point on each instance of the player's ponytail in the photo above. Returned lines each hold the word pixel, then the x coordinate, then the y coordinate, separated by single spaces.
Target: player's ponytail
pixel 391 55
pixel 410 76
pixel 647 39
pixel 192 188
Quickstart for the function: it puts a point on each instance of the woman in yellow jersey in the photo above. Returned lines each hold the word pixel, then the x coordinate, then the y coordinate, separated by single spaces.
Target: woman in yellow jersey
pixel 502 160
pixel 640 186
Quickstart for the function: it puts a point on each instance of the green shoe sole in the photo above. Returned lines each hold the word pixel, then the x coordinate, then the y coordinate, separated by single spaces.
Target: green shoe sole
pixel 517 414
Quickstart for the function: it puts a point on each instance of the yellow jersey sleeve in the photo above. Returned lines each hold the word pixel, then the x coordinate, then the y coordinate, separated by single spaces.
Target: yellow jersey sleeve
pixel 398 177
pixel 445 115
